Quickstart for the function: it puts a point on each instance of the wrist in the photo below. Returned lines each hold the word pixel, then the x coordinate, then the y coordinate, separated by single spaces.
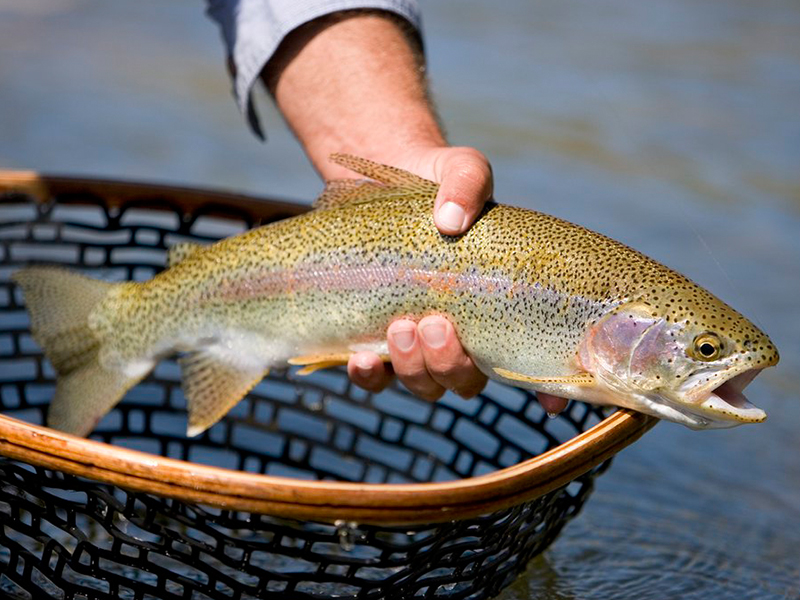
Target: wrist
pixel 354 82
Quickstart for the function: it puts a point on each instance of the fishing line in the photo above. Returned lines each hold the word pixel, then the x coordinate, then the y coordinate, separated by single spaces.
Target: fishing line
pixel 731 287
pixel 614 115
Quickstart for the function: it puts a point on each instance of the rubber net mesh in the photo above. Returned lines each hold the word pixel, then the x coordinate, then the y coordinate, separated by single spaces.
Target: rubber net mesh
pixel 68 537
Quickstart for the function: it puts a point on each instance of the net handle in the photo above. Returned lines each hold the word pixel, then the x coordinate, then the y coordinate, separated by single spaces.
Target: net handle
pixel 323 500
pixel 116 194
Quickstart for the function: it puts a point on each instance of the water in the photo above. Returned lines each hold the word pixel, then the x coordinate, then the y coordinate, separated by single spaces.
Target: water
pixel 670 125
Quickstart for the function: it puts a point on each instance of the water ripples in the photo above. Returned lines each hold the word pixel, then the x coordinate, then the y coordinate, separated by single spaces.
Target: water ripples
pixel 646 537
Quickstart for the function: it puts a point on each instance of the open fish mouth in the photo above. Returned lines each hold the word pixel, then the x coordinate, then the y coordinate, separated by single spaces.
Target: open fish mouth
pixel 727 402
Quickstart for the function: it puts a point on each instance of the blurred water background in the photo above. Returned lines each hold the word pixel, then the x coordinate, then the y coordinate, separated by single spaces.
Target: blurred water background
pixel 671 125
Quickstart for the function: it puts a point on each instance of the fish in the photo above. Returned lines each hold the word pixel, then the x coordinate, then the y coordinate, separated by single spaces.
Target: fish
pixel 536 301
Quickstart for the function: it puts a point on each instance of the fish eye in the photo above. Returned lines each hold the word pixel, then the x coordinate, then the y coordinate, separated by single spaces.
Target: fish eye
pixel 707 346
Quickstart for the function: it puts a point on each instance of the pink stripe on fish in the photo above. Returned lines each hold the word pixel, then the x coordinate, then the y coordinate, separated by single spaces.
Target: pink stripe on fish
pixel 339 278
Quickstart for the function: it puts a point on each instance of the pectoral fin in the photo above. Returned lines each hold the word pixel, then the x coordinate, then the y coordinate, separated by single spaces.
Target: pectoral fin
pixel 315 362
pixel 580 379
pixel 212 387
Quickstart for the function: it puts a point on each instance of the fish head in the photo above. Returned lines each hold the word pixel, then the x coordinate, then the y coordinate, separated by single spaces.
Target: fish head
pixel 689 365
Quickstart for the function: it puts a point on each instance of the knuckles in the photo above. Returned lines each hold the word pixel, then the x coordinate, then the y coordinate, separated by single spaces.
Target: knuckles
pixel 467 173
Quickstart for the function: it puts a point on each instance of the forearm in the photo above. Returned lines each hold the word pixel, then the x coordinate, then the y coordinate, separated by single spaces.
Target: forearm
pixel 353 82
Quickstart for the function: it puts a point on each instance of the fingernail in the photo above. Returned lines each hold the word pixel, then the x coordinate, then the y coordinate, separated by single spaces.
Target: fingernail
pixel 434 334
pixel 363 366
pixel 403 339
pixel 552 415
pixel 452 216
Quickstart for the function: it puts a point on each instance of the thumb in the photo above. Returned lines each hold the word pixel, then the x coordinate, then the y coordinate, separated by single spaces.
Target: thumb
pixel 466 185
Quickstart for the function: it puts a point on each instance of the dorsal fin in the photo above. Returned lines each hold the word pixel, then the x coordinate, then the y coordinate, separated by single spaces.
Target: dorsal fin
pixel 339 192
pixel 385 182
pixel 389 176
pixel 180 252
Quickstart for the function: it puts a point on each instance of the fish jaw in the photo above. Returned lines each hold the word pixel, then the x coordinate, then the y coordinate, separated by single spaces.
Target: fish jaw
pixel 725 402
pixel 722 407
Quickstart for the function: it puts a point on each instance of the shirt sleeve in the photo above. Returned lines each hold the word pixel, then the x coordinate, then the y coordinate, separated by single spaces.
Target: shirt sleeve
pixel 253 29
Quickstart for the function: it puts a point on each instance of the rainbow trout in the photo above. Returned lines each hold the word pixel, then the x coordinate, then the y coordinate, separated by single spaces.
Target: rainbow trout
pixel 537 302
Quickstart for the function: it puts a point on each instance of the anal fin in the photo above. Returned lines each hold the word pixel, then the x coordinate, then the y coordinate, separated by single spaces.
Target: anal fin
pixel 213 386
pixel 579 379
pixel 315 362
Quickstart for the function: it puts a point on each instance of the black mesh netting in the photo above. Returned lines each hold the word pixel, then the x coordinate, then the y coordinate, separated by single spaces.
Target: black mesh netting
pixel 69 537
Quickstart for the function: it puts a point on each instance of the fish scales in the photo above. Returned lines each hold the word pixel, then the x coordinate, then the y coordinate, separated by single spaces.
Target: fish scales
pixel 316 273
pixel 535 300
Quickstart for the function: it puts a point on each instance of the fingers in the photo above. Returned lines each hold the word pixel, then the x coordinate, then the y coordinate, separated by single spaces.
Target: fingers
pixel 429 359
pixel 409 363
pixel 466 184
pixel 551 404
pixel 446 360
pixel 367 370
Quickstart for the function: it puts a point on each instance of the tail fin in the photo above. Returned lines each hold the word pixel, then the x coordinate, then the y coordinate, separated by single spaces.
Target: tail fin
pixel 59 304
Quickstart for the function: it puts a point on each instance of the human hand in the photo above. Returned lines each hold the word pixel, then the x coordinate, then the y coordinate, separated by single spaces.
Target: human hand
pixel 375 104
pixel 427 356
pixel 465 183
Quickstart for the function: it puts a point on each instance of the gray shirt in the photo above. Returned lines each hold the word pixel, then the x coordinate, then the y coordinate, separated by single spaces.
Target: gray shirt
pixel 253 30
